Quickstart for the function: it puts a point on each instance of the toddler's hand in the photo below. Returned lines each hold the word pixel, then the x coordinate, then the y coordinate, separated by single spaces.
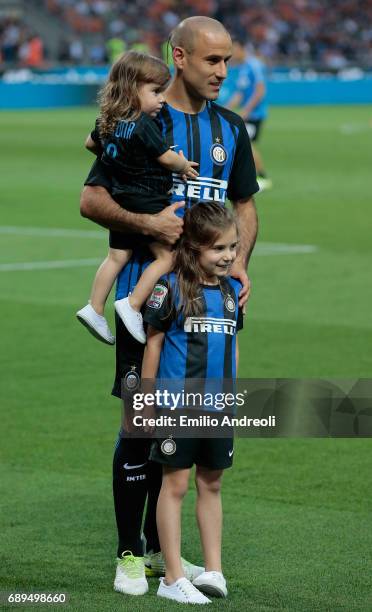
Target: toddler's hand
pixel 189 169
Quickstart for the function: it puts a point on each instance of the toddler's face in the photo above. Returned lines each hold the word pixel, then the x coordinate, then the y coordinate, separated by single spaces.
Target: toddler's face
pixel 151 96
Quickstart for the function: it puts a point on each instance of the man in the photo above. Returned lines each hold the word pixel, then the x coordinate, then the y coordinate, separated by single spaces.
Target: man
pixel 248 75
pixel 217 139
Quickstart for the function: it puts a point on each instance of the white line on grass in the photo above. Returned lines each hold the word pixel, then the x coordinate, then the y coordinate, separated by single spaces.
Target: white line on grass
pixel 48 265
pixel 51 232
pixel 282 248
pixel 261 249
pixel 354 128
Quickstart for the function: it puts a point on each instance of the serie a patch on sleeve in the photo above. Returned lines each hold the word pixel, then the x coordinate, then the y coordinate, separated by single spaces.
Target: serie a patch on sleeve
pixel 157 297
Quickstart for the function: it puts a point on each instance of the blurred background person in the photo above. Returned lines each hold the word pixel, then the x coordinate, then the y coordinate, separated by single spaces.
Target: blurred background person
pixel 247 74
pixel 115 47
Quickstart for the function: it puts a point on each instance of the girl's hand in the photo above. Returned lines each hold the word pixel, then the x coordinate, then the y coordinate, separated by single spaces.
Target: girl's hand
pixel 148 412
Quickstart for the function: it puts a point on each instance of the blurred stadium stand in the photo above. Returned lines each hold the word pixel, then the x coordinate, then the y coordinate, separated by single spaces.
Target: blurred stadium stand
pixel 315 34
pixel 56 53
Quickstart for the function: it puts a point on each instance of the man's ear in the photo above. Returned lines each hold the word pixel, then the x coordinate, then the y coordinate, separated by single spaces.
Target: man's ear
pixel 179 57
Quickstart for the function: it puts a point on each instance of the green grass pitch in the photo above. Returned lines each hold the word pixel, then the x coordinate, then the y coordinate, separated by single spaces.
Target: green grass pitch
pixel 297 527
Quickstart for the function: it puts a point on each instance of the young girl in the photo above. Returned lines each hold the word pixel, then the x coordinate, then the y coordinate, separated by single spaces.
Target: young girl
pixel 193 319
pixel 139 164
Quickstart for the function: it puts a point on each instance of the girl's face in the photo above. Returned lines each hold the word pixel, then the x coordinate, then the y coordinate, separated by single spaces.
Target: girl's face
pixel 216 260
pixel 151 96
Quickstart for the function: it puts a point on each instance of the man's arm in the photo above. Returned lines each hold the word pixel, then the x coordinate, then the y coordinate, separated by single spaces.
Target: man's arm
pixel 246 214
pixel 234 101
pixel 97 205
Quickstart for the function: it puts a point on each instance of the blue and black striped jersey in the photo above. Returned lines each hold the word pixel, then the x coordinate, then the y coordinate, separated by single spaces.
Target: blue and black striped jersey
pixel 217 140
pixel 202 346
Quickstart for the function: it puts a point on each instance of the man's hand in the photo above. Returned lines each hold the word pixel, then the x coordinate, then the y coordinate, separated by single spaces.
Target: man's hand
pixel 238 271
pixel 166 226
pixel 97 205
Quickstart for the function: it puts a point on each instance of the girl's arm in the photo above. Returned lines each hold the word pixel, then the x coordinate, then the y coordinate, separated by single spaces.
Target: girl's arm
pixel 150 366
pixel 178 163
pixel 237 355
pixel 151 357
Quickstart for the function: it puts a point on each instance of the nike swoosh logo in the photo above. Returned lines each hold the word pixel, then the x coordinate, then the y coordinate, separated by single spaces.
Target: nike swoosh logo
pixel 126 466
pixel 231 453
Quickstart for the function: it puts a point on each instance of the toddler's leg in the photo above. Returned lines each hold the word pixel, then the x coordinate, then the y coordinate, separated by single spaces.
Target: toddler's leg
pixel 106 276
pixel 162 264
pixel 129 308
pixel 168 517
pixel 91 316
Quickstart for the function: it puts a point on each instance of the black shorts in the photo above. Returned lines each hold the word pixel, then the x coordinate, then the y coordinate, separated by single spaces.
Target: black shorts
pixel 141 204
pixel 254 128
pixel 120 241
pixel 211 453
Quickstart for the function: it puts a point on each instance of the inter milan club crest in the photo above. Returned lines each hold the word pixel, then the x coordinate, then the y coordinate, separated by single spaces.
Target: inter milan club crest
pixel 229 303
pixel 168 446
pixel 218 153
pixel 131 380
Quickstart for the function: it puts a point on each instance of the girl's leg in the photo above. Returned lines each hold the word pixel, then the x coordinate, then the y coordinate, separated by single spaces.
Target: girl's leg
pixel 209 515
pixel 168 517
pixel 162 265
pixel 106 276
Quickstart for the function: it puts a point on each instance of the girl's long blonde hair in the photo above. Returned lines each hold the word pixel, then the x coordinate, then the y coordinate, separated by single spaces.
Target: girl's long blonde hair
pixel 203 224
pixel 119 98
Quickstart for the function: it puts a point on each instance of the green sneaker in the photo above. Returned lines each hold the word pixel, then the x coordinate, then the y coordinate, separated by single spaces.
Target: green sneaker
pixel 190 570
pixel 155 566
pixel 130 575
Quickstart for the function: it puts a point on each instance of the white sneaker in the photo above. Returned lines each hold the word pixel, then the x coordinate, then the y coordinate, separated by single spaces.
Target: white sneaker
pixel 155 566
pixel 130 575
pixel 182 591
pixel 212 583
pixel 96 324
pixel 132 319
pixel 264 183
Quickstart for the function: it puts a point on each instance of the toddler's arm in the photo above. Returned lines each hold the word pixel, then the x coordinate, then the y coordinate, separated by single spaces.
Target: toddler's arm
pixel 92 146
pixel 178 163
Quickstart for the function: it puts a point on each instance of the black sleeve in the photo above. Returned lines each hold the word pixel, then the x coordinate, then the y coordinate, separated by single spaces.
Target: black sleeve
pixel 95 132
pixel 99 176
pixel 158 307
pixel 240 320
pixel 151 137
pixel 242 180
